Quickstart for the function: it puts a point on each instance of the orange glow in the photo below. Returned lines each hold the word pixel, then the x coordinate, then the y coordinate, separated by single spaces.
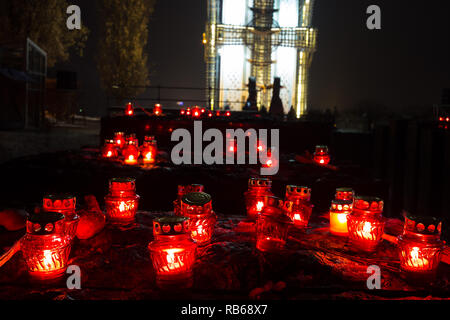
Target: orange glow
pixel 338 223
pixel 109 154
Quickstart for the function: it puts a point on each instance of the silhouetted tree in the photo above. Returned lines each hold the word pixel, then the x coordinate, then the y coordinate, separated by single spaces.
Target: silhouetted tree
pixel 44 22
pixel 122 58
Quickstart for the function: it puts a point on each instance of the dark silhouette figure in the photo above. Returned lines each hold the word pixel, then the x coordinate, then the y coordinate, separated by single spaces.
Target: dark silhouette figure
pixel 276 106
pixel 252 94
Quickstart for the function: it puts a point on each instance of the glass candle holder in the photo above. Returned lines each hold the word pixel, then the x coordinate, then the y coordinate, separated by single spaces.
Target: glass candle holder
pixel 272 226
pixel 321 155
pixel 149 150
pixel 339 211
pixel 345 194
pixel 182 190
pixel 366 223
pixel 130 153
pixel 172 252
pixel 129 111
pixel 258 188
pixel 109 150
pixel 65 204
pixel 122 201
pixel 46 246
pixel 157 109
pixel 119 139
pixel 420 247
pixel 197 206
pixel 301 207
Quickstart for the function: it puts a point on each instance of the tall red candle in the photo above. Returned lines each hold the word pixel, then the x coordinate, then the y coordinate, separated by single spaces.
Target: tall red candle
pixel 197 206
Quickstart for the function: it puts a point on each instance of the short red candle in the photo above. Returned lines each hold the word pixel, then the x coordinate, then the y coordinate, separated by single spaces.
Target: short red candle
pixel 321 155
pixel 130 153
pixel 197 206
pixel 272 226
pixel 65 204
pixel 366 223
pixel 119 139
pixel 420 246
pixel 344 194
pixel 172 252
pixel 122 201
pixel 157 109
pixel 149 150
pixel 109 150
pixel 258 188
pixel 46 246
pixel 129 111
pixel 301 207
pixel 182 190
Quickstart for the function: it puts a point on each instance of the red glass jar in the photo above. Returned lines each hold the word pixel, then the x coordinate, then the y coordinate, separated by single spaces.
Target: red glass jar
pixel 258 188
pixel 301 207
pixel 149 150
pixel 321 155
pixel 366 223
pixel 130 153
pixel 157 109
pixel 129 111
pixel 345 194
pixel 65 204
pixel 109 150
pixel 182 190
pixel 197 206
pixel 46 246
pixel 339 211
pixel 272 226
pixel 172 252
pixel 122 201
pixel 119 139
pixel 420 247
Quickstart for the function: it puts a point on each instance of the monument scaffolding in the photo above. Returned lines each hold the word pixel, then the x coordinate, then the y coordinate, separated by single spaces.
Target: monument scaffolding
pixel 261 39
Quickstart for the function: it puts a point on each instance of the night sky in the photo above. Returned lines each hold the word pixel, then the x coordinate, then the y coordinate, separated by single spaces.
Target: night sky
pixel 406 63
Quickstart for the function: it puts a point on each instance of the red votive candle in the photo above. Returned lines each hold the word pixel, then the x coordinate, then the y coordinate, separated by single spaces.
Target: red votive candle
pixel 197 206
pixel 321 155
pixel 129 111
pixel 420 247
pixel 119 139
pixel 344 194
pixel 366 223
pixel 301 207
pixel 109 149
pixel 339 211
pixel 258 188
pixel 157 109
pixel 149 150
pixel 122 201
pixel 172 252
pixel 65 204
pixel 272 226
pixel 130 153
pixel 182 190
pixel 46 246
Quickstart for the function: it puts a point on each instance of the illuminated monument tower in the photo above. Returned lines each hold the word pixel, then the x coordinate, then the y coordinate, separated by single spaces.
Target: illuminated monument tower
pixel 261 39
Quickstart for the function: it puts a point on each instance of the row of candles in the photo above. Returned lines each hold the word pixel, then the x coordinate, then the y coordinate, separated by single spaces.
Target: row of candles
pixel 47 243
pixel 357 217
pixel 128 148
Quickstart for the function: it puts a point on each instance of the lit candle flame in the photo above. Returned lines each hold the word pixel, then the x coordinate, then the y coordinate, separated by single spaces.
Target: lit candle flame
pixel 342 217
pixel 259 206
pixel 122 206
pixel 109 154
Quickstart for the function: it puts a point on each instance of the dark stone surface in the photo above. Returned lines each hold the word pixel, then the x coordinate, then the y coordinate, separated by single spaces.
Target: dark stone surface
pixel 116 264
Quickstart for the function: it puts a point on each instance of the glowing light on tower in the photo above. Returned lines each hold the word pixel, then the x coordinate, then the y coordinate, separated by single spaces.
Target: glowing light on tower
pixel 261 39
